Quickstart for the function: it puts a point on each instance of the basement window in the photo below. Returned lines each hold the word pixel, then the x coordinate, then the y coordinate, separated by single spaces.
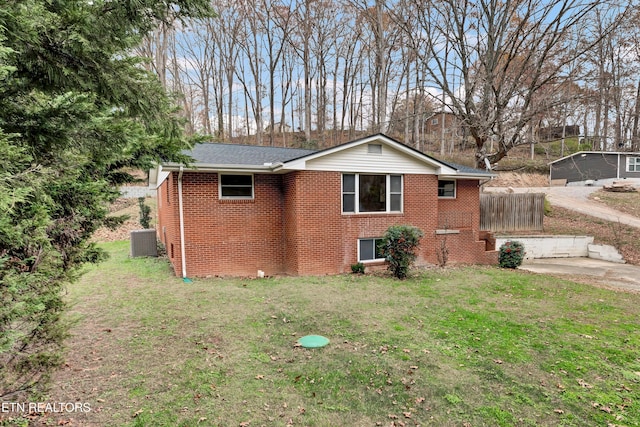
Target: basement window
pixel 236 186
pixel 368 250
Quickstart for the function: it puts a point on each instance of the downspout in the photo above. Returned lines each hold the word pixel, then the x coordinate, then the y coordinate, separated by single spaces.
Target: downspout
pixel 181 213
pixel 482 183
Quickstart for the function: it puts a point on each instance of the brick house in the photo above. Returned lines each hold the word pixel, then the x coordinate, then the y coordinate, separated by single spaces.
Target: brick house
pixel 444 125
pixel 238 209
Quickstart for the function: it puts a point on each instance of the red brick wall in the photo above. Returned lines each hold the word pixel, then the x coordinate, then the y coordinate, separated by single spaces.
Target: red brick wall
pixel 295 224
pixel 290 223
pixel 319 239
pixel 313 243
pixel 464 210
pixel 223 237
pixel 463 214
pixel 168 226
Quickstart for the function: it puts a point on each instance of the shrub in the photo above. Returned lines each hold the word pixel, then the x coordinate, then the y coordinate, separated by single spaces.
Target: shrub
pixel 357 268
pixel 398 246
pixel 511 254
pixel 547 207
pixel 145 213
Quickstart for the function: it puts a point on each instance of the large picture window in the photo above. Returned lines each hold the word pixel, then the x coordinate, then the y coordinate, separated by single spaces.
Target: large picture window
pixel 368 250
pixel 633 164
pixel 363 193
pixel 236 186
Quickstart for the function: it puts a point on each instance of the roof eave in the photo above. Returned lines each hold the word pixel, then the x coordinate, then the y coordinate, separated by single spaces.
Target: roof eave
pixel 208 167
pixel 469 176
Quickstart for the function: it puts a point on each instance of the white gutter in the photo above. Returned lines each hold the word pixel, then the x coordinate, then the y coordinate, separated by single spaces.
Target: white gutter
pixel 181 213
pixel 205 167
pixel 468 176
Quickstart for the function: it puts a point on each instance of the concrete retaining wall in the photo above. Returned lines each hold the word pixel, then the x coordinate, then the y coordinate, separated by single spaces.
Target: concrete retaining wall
pixel 133 192
pixel 551 246
pixel 605 252
pixel 562 247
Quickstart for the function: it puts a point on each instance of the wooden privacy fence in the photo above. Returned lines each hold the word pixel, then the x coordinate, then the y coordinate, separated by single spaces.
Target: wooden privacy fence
pixel 511 212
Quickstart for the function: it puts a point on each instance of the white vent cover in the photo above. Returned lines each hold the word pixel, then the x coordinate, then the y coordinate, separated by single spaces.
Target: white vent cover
pixel 374 148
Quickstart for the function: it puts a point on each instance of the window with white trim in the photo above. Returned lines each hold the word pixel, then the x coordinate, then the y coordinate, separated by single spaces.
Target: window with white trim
pixel 369 250
pixel 362 193
pixel 236 186
pixel 633 164
pixel 447 188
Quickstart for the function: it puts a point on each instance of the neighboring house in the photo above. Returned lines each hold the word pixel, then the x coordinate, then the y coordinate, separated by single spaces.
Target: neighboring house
pixel 595 166
pixel 453 129
pixel 238 209
pixel 554 133
pixel 279 127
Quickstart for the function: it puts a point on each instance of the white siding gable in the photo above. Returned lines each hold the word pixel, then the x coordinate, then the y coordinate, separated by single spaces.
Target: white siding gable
pixel 358 159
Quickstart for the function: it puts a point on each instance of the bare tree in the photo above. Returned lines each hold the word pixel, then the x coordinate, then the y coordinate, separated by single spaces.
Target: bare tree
pixel 503 52
pixel 250 70
pixel 155 48
pixel 197 49
pixel 300 41
pixel 226 31
pixel 274 21
pixel 381 41
pixel 351 59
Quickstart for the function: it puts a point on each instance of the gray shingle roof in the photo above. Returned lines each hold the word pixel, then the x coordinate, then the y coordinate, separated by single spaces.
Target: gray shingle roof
pixel 257 155
pixel 468 169
pixel 236 154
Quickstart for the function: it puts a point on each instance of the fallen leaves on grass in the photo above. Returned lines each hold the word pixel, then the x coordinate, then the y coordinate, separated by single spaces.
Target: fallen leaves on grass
pixel 584 384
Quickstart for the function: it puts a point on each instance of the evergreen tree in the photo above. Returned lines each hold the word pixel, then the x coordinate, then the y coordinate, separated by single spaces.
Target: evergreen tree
pixel 77 111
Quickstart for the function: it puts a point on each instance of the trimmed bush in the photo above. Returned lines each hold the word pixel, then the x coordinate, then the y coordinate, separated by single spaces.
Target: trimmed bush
pixel 357 268
pixel 398 246
pixel 145 213
pixel 547 207
pixel 511 254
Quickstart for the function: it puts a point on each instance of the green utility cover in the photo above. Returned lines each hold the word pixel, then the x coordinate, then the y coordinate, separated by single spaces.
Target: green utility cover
pixel 313 341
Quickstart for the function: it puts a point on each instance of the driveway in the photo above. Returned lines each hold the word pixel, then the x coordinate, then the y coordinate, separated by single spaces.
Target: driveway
pixel 577 199
pixel 602 273
pixel 589 270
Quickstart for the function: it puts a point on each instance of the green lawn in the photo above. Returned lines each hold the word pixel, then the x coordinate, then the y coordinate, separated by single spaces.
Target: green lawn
pixel 475 346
